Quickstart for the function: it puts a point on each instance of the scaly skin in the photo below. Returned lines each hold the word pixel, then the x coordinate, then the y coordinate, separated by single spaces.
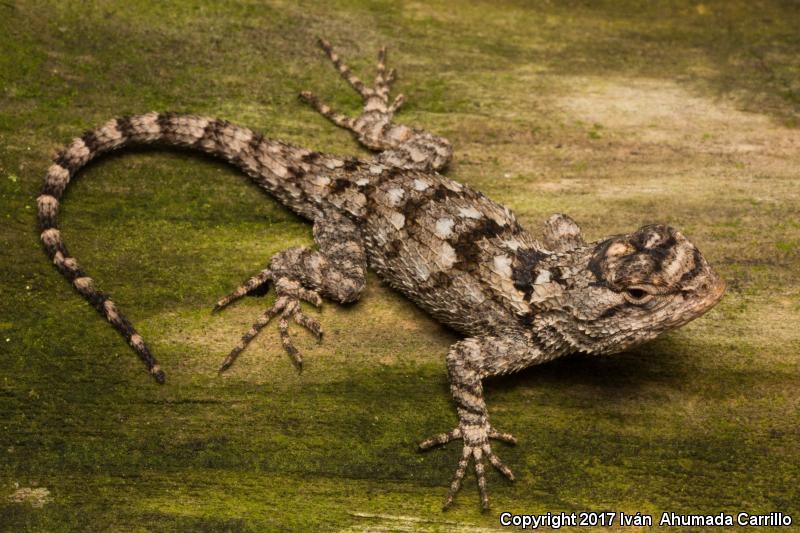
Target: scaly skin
pixel 461 257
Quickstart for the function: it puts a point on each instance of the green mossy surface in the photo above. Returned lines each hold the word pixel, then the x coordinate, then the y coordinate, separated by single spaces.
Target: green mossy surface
pixel 705 419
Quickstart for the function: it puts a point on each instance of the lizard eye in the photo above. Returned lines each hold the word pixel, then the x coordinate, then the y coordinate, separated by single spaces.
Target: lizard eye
pixel 637 295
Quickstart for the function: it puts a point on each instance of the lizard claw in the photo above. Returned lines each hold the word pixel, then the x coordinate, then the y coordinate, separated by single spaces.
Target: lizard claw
pixel 476 448
pixel 287 305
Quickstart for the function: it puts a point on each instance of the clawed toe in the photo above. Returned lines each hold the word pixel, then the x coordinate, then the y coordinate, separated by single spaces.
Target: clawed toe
pixel 441 438
pixel 498 464
pixel 311 324
pixel 344 70
pixel 505 437
pixel 252 284
pixel 343 121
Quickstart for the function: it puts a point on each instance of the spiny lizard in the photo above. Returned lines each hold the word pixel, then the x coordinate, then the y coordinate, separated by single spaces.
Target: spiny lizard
pixel 461 257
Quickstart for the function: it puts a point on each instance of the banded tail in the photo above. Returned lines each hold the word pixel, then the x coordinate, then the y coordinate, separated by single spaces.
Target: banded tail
pixel 274 165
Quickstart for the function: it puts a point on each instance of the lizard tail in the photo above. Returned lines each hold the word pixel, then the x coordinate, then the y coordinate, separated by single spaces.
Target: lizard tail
pixel 217 137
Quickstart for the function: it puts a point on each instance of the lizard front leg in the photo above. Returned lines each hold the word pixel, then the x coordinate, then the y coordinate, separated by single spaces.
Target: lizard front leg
pixel 336 271
pixel 468 363
pixel 399 145
pixel 562 234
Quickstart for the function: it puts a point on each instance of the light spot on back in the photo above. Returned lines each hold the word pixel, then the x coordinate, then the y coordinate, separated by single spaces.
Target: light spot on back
pixel 417 155
pixel 422 271
pixel 238 138
pixel 109 131
pixel 470 212
pixel 502 265
pixel 448 256
pixel 421 185
pixel 197 127
pixel 272 165
pixel 444 228
pixel 398 220
pixel 452 185
pixel 542 278
pixel 395 196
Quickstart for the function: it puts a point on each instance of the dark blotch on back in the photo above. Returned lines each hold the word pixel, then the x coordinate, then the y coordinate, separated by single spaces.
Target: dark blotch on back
pixel 255 142
pixel 294 173
pixel 310 157
pixel 413 205
pixel 393 249
pixel 466 245
pixel 442 193
pixel 340 185
pixel 522 272
pixel 439 280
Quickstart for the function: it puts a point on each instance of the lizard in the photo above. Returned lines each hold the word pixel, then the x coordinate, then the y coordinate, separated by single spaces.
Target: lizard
pixel 517 300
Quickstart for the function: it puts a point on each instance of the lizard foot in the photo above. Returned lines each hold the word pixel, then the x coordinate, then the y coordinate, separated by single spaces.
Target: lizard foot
pixel 399 145
pixel 476 447
pixel 377 109
pixel 287 305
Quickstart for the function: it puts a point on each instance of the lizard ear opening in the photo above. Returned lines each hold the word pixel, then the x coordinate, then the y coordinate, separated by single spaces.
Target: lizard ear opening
pixel 562 234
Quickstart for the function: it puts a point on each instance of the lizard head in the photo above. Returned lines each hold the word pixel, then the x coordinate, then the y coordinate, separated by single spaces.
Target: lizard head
pixel 630 288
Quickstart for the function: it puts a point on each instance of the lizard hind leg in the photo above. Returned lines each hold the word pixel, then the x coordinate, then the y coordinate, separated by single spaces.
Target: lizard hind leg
pixel 337 271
